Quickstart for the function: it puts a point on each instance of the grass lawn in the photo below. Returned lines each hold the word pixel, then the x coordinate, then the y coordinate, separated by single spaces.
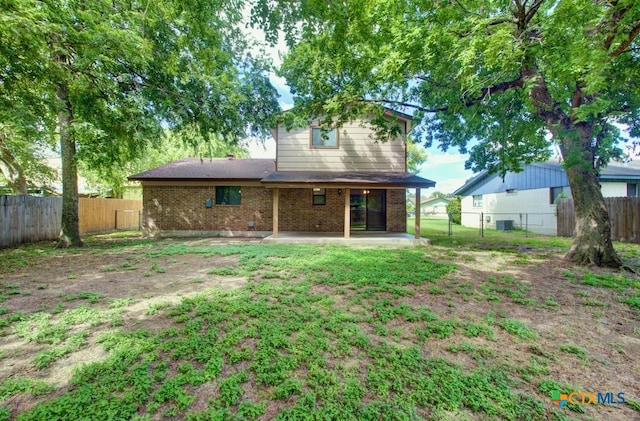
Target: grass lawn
pixel 464 329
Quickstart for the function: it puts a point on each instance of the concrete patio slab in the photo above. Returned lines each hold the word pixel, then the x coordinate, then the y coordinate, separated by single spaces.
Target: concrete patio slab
pixel 356 238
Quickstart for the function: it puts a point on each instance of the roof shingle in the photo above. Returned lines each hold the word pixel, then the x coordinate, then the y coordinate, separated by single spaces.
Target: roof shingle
pixel 210 169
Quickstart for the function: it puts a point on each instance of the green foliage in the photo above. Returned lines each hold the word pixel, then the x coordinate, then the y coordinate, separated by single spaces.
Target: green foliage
pixel 518 328
pixel 454 209
pixel 416 156
pixel 171 145
pixel 11 387
pixel 579 352
pixel 633 404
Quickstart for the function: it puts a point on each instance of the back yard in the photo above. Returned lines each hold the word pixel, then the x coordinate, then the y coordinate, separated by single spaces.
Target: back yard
pixel 464 329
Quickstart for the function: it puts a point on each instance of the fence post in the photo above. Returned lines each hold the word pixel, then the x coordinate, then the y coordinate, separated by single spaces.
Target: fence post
pixel 526 225
pixel 449 214
pixel 482 224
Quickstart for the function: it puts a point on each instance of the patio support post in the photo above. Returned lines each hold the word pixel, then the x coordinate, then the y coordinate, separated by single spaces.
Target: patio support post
pixel 276 199
pixel 417 227
pixel 347 213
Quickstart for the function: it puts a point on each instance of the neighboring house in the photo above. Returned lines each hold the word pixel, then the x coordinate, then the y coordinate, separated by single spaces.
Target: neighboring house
pixel 322 180
pixel 527 199
pixel 435 207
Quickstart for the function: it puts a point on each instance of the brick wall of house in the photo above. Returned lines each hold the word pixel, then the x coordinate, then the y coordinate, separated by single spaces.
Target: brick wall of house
pixel 183 208
pixel 396 211
pixel 298 213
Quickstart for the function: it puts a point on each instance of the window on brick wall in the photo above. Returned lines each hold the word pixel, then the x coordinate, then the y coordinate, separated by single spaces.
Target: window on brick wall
pixel 228 195
pixel 319 196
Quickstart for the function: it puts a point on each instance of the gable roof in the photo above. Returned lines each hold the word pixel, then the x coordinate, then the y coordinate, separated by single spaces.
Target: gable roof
pixel 388 112
pixel 209 169
pixel 541 175
pixel 435 200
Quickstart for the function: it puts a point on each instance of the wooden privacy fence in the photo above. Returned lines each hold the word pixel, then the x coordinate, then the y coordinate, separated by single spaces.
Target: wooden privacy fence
pixel 25 219
pixel 624 213
pixel 107 214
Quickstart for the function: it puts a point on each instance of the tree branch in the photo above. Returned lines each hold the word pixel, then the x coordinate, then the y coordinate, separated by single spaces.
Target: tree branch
pixel 623 46
pixel 532 11
pixel 616 18
pixel 488 91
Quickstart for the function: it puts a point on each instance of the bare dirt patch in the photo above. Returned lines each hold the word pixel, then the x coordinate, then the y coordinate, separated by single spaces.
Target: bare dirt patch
pixel 91 277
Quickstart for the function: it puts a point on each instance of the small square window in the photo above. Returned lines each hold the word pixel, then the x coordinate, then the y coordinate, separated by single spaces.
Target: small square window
pixel 632 190
pixel 319 196
pixel 477 201
pixel 228 195
pixel 324 138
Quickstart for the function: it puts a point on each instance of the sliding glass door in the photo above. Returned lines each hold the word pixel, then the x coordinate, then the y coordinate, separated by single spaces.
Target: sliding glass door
pixel 368 210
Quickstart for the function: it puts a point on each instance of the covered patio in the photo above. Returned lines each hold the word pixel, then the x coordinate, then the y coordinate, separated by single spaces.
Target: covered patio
pixel 360 219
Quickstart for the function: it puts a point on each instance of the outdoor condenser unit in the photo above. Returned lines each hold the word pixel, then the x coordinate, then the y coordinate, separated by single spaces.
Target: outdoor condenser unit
pixel 504 225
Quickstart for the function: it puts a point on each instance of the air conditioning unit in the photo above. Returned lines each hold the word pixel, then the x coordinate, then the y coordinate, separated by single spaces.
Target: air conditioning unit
pixel 504 225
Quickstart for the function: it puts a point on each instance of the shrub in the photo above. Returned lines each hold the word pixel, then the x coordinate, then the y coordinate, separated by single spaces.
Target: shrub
pixel 454 209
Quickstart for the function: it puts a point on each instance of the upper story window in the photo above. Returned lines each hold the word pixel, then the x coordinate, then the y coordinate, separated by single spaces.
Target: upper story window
pixel 633 190
pixel 227 195
pixel 324 138
pixel 556 193
pixel 477 201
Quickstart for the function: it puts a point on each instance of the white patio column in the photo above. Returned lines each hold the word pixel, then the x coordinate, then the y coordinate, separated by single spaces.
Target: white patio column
pixel 276 199
pixel 347 213
pixel 417 227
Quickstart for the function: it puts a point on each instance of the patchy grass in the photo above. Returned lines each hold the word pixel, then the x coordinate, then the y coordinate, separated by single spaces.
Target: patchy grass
pixel 315 332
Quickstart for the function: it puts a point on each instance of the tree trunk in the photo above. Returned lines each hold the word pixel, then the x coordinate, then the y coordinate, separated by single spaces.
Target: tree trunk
pixel 592 234
pixel 70 233
pixel 12 170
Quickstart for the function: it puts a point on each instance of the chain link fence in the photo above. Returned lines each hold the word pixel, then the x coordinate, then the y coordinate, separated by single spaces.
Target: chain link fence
pixel 482 224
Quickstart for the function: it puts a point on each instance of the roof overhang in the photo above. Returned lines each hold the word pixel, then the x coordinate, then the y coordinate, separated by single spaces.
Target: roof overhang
pixel 306 179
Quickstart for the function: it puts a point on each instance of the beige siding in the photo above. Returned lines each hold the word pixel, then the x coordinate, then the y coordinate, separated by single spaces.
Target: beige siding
pixel 357 151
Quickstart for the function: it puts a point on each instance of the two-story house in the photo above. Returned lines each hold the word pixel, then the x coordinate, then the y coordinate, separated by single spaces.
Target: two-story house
pixel 322 180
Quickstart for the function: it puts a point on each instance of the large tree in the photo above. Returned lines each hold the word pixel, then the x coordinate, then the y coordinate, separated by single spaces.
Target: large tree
pixel 25 125
pixel 189 141
pixel 116 73
pixel 500 79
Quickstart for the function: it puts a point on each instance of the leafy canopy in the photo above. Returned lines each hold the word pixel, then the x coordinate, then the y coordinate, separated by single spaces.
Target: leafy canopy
pixel 132 69
pixel 502 80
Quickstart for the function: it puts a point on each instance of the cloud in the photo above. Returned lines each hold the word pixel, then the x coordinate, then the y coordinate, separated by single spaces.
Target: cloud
pixel 445 159
pixel 259 150
pixel 450 185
